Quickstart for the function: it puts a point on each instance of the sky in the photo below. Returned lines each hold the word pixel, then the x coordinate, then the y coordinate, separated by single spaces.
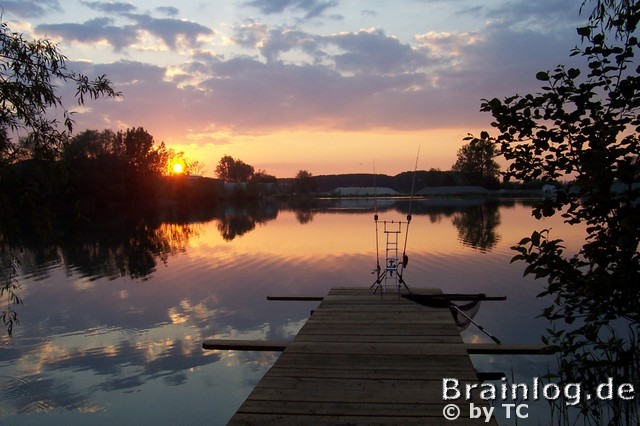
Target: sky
pixel 326 86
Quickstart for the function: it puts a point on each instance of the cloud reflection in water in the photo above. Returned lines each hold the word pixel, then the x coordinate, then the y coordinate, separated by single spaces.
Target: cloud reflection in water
pixel 106 330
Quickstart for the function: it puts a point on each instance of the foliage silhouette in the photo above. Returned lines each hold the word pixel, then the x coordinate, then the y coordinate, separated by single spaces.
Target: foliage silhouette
pixel 476 162
pixel 231 170
pixel 9 288
pixel 106 170
pixel 477 225
pixel 237 221
pixel 30 72
pixel 584 124
pixel 304 183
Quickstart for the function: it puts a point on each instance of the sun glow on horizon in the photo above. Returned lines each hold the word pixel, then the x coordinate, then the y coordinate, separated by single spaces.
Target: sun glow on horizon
pixel 177 168
pixel 284 153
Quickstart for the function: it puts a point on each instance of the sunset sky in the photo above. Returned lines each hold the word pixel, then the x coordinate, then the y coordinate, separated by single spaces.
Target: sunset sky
pixel 328 86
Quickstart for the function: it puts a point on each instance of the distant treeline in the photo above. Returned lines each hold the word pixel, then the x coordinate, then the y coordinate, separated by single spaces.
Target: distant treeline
pixel 97 174
pixel 101 173
pixel 403 182
pixel 92 186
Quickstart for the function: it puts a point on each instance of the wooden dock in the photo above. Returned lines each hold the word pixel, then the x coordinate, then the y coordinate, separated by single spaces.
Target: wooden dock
pixel 363 358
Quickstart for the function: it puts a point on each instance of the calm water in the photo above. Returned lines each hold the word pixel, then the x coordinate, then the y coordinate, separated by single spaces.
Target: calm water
pixel 112 325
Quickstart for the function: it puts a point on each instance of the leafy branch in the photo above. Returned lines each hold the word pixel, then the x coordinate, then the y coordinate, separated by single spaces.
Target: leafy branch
pixel 10 286
pixel 29 74
pixel 584 125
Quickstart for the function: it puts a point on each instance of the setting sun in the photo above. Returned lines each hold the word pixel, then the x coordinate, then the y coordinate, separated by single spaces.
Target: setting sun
pixel 178 168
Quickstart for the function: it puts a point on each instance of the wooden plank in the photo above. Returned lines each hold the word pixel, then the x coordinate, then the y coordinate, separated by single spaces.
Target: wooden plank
pixel 378 330
pixel 458 297
pixel 491 349
pixel 364 358
pixel 419 393
pixel 422 390
pixel 355 338
pixel 281 345
pixel 320 420
pixel 381 315
pixel 375 348
pixel 296 298
pixel 369 290
pixel 340 408
pixel 392 345
pixel 245 345
pixel 369 373
pixel 363 412
pixel 372 307
pixel 466 298
pixel 439 363
pixel 363 320
pixel 367 300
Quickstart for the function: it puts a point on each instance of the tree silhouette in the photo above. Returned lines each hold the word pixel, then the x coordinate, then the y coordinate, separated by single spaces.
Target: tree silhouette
pixel 136 146
pixel 585 123
pixel 477 225
pixel 108 168
pixel 231 170
pixel 476 162
pixel 304 183
pixel 29 74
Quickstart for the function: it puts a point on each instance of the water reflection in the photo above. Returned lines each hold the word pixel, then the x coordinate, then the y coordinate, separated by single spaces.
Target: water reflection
pixel 125 366
pixel 9 289
pixel 114 314
pixel 238 220
pixel 593 308
pixel 133 245
pixel 477 226
pixel 130 252
pixel 130 249
pixel 607 359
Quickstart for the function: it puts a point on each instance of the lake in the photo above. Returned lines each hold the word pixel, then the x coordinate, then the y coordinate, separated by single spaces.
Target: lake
pixel 113 319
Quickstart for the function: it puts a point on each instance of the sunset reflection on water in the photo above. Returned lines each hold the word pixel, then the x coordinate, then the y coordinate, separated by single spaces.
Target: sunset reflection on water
pixel 111 330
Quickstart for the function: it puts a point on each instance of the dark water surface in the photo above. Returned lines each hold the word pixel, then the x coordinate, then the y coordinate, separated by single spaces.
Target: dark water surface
pixel 111 327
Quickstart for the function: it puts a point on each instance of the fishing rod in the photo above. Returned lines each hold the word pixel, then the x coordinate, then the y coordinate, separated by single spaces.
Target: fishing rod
pixel 375 218
pixel 405 258
pixel 394 264
pixel 481 328
pixel 413 183
pixel 440 302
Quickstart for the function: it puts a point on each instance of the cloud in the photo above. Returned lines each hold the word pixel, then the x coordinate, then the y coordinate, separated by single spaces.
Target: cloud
pixel 248 96
pixel 30 8
pixel 168 10
pixel 545 17
pixel 372 51
pixel 275 43
pixel 313 8
pixel 95 30
pixel 170 31
pixel 250 34
pixel 111 7
pixel 288 78
pixel 149 100
pixel 364 51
